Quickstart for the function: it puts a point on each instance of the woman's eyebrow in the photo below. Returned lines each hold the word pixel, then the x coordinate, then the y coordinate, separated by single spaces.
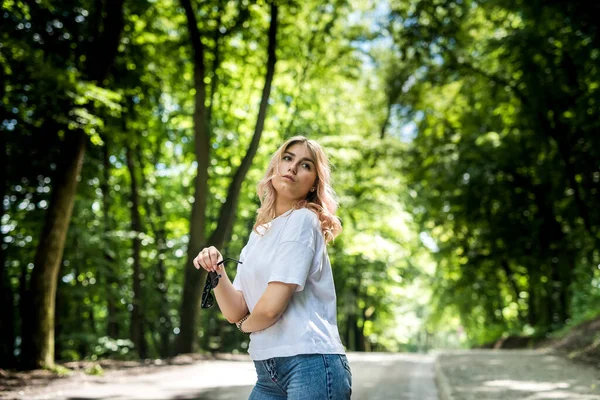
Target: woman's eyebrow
pixel 304 159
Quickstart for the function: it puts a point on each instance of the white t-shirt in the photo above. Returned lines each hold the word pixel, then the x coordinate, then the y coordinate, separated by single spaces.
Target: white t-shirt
pixel 291 251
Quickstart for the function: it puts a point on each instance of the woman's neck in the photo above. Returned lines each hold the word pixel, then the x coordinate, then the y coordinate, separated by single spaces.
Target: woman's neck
pixel 282 207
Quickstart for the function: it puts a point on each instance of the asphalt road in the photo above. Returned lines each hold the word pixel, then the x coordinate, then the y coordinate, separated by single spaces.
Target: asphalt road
pixel 376 376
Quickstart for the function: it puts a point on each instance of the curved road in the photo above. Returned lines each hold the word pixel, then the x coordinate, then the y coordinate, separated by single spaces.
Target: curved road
pixel 376 376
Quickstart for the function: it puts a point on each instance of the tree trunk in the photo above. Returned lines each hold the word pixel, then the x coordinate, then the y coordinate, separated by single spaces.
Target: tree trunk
pixel 350 331
pixel 112 268
pixel 51 245
pixel 50 250
pixel 359 337
pixel 192 285
pixel 7 306
pixel 192 280
pixel 137 316
pixel 82 349
pixel 552 241
pixel 162 286
pixel 160 274
pixel 7 322
pixel 60 311
pixel 566 268
pixel 532 299
pixel 25 305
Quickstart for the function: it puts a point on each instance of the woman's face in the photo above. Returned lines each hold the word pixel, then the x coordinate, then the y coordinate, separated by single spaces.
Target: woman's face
pixel 296 174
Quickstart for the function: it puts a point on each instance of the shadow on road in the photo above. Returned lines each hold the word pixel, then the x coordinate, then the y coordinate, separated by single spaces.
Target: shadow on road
pixel 376 376
pixel 219 393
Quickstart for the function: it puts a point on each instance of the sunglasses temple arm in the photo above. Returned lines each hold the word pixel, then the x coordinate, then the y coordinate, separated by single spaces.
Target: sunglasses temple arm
pixel 229 259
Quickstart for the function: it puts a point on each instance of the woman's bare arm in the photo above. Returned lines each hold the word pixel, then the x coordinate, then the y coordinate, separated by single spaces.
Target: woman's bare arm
pixel 231 301
pixel 270 306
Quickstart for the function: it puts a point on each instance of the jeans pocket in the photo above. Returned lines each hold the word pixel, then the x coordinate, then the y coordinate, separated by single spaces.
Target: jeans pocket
pixel 345 363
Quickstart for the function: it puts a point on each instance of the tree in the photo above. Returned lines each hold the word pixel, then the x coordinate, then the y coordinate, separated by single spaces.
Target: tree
pixel 50 248
pixel 494 99
pixel 192 284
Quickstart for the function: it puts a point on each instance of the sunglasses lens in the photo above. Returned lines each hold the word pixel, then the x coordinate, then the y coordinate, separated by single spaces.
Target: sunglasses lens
pixel 212 280
pixel 208 300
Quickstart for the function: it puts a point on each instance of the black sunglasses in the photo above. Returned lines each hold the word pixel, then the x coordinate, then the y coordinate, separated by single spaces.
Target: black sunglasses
pixel 212 280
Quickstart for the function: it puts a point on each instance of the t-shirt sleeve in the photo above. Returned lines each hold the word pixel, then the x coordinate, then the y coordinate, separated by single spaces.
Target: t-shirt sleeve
pixel 237 285
pixel 296 249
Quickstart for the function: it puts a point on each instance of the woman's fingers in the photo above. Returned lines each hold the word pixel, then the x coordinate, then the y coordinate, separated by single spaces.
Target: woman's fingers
pixel 209 258
pixel 215 257
pixel 205 259
pixel 199 262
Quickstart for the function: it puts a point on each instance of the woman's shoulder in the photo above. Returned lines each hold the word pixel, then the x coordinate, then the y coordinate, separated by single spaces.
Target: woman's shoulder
pixel 304 217
pixel 301 225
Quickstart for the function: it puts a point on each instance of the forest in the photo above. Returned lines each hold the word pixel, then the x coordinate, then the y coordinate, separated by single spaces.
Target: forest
pixel 463 134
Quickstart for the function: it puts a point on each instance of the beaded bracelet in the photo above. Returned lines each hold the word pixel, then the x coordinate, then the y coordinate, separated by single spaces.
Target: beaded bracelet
pixel 240 322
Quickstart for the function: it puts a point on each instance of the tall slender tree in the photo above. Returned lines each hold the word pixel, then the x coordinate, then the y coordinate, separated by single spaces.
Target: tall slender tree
pixel 190 303
pixel 137 311
pixel 49 251
pixel 7 325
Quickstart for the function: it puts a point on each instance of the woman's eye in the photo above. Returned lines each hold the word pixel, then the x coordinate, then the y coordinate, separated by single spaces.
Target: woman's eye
pixel 306 165
pixel 286 158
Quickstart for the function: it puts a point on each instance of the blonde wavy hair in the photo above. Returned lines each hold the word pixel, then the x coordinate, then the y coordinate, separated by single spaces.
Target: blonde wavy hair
pixel 321 201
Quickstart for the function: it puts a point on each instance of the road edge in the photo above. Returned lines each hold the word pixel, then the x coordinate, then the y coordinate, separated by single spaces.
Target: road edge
pixel 441 380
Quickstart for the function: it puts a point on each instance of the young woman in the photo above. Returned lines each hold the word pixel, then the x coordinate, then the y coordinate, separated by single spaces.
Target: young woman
pixel 283 294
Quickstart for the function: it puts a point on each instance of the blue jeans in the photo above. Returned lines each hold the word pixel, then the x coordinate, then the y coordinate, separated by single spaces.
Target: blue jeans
pixel 303 377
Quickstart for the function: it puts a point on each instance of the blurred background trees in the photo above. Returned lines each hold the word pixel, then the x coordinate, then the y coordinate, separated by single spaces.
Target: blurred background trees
pixel 463 136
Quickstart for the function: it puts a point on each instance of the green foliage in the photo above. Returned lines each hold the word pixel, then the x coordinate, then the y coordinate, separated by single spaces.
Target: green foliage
pixel 113 348
pixel 497 165
pixel 463 136
pixel 60 371
pixel 95 369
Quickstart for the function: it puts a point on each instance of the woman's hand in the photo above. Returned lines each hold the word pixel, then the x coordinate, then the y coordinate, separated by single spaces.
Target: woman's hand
pixel 208 259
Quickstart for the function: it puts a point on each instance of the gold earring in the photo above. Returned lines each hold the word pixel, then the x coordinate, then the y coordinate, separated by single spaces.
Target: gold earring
pixel 312 189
